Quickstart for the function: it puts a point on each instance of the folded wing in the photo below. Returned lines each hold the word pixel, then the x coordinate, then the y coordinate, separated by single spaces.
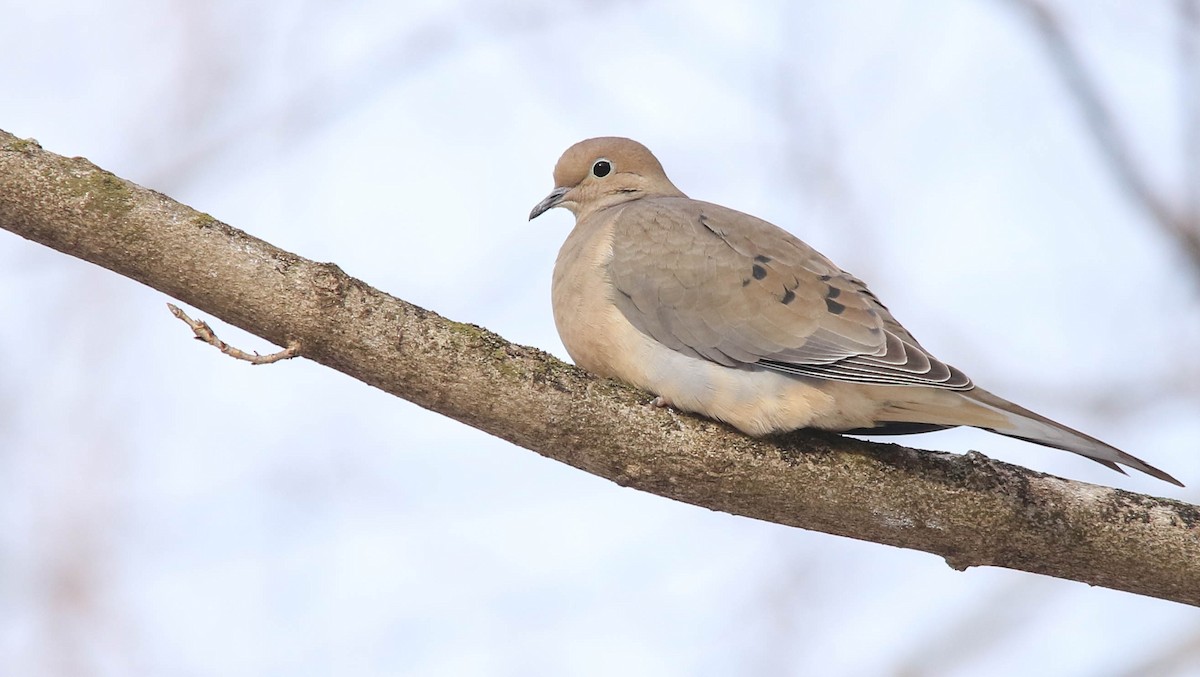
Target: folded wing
pixel 727 287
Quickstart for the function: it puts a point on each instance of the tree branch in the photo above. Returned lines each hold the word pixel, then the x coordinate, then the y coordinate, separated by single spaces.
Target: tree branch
pixel 970 510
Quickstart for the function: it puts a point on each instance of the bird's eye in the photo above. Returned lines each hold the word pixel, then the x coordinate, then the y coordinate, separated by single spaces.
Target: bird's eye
pixel 601 168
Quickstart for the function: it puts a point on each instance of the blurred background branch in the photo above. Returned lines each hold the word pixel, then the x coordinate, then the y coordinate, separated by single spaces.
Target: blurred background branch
pixel 1179 219
pixel 1189 89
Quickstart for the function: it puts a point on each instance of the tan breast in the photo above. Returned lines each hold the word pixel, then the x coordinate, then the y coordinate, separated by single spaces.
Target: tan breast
pixel 588 323
pixel 601 340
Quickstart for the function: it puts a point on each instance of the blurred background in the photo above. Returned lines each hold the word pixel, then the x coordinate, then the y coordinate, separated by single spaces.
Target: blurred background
pixel 1018 180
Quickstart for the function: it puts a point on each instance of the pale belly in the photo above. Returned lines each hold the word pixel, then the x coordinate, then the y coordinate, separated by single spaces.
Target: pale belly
pixel 756 401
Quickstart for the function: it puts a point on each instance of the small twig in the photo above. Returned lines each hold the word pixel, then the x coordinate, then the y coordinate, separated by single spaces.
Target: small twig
pixel 205 333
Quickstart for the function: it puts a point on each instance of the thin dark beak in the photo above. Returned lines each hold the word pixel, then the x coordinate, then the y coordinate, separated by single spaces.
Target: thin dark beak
pixel 552 200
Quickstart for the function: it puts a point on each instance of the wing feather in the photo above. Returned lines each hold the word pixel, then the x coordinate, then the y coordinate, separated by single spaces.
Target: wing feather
pixel 727 287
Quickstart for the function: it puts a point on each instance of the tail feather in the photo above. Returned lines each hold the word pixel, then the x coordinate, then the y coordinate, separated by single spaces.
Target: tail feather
pixel 980 409
pixel 1024 424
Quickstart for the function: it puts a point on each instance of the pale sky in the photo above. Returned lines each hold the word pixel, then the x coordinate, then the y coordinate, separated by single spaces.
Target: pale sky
pixel 165 510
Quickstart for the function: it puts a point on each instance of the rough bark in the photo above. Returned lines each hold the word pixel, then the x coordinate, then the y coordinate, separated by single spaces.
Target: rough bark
pixel 969 509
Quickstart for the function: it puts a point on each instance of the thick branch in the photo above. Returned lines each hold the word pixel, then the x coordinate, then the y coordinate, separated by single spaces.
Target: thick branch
pixel 968 509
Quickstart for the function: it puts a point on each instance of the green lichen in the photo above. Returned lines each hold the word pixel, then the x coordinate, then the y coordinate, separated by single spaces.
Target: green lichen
pixel 23 145
pixel 203 220
pixel 465 330
pixel 506 367
pixel 101 193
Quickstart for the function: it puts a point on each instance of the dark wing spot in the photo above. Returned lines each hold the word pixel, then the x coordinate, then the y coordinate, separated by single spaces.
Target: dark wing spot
pixel 762 259
pixel 788 296
pixel 834 307
pixel 745 281
pixel 833 292
pixel 758 272
pixel 826 278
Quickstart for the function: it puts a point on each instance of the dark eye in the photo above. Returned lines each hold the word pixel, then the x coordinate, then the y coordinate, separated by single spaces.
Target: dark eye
pixel 601 168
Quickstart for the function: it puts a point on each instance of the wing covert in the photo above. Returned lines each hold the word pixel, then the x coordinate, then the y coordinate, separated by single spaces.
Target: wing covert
pixel 718 284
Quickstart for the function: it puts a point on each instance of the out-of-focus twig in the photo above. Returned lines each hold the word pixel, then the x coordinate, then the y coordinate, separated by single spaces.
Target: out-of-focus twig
pixel 311 100
pixel 1102 124
pixel 1189 85
pixel 810 166
pixel 1176 658
pixel 1001 617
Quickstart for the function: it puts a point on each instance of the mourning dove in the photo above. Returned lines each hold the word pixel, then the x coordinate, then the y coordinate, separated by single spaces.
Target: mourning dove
pixel 723 314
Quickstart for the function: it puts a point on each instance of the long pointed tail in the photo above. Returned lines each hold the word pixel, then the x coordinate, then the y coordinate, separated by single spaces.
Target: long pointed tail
pixel 1024 424
pixel 980 409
